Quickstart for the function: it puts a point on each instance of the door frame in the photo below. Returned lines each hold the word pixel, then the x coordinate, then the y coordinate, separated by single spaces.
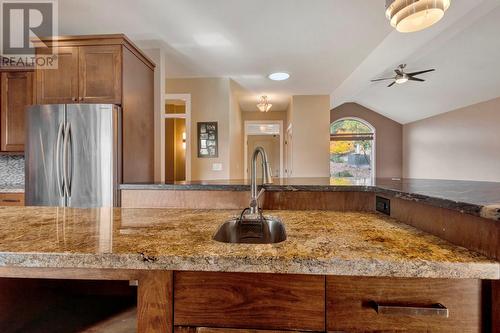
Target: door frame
pixel 289 151
pixel 245 143
pixel 187 116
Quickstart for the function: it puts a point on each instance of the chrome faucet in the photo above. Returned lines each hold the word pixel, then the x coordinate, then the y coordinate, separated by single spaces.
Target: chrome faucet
pixel 266 178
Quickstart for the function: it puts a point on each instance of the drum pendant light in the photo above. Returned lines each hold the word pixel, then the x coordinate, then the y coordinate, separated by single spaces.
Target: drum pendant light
pixel 415 15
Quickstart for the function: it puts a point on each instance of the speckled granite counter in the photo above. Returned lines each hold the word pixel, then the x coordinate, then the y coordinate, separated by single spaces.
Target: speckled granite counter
pixel 11 188
pixel 469 197
pixel 361 244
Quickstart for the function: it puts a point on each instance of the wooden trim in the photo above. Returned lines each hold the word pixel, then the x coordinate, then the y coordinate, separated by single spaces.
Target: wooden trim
pixel 154 302
pixel 16 69
pixel 12 153
pixel 302 200
pixel 336 137
pixel 182 329
pixel 69 273
pixel 140 55
pixel 184 199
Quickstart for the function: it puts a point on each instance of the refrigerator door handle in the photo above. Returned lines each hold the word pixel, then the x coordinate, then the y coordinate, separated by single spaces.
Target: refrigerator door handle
pixel 60 182
pixel 67 139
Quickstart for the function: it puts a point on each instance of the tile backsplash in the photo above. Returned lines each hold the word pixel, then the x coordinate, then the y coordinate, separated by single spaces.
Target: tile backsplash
pixel 11 169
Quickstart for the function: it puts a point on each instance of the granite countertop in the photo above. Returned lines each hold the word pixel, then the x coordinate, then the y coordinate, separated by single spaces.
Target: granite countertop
pixel 469 197
pixel 319 242
pixel 11 188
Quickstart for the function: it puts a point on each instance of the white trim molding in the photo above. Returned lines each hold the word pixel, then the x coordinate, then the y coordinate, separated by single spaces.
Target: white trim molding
pixel 186 98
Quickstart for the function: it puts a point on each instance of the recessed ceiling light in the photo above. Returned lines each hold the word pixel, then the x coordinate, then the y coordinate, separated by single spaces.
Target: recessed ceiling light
pixel 280 76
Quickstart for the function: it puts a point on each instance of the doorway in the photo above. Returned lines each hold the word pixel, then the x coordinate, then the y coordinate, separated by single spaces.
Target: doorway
pixel 268 135
pixel 176 125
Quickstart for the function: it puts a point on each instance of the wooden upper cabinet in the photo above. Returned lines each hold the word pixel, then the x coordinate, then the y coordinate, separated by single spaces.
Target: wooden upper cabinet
pixel 59 86
pixel 100 74
pixel 17 94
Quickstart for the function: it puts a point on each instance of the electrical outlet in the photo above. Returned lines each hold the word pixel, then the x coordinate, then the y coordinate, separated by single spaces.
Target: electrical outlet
pixel 216 166
pixel 383 205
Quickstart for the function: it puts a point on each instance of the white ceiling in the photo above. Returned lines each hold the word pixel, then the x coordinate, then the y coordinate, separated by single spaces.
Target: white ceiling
pixel 328 46
pixel 318 42
pixel 464 49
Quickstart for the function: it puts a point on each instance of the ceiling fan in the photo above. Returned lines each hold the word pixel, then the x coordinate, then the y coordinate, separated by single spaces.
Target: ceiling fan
pixel 403 77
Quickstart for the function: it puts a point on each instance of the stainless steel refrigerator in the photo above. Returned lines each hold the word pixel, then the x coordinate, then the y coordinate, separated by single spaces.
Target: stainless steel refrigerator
pixel 73 155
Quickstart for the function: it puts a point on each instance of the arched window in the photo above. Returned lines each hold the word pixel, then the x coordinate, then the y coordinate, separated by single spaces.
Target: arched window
pixel 352 148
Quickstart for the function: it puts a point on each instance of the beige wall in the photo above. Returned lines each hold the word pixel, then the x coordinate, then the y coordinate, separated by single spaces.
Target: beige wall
pixel 235 133
pixel 388 137
pixel 310 119
pixel 210 101
pixel 258 116
pixel 463 144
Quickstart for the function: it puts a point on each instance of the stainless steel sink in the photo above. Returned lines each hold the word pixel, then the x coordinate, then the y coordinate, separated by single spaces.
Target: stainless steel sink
pixel 260 231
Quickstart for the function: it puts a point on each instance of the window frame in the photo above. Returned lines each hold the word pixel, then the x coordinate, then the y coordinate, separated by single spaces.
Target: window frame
pixel 362 135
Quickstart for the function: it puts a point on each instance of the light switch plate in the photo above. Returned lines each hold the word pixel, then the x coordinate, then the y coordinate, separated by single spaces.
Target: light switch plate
pixel 216 166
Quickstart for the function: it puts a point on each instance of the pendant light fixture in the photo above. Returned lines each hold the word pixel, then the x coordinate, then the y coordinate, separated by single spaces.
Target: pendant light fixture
pixel 264 105
pixel 415 15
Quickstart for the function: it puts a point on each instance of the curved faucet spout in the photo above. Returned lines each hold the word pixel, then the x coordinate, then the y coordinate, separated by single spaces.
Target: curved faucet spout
pixel 266 177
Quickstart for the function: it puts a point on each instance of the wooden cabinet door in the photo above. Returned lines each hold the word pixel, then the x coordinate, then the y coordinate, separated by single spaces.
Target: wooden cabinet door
pixel 249 301
pixel 100 74
pixel 11 199
pixel 17 94
pixel 59 86
pixel 350 304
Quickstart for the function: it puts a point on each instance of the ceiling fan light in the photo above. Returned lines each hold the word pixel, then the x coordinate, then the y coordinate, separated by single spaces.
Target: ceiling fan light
pixel 402 79
pixel 415 15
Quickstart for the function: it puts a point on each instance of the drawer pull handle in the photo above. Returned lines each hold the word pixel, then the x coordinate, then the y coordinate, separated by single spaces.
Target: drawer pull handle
pixel 434 310
pixel 10 200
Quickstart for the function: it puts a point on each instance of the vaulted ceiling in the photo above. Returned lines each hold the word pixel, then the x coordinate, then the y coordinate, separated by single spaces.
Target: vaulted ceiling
pixel 328 46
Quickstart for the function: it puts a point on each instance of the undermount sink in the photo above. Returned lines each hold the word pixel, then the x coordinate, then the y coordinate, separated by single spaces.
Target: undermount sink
pixel 269 230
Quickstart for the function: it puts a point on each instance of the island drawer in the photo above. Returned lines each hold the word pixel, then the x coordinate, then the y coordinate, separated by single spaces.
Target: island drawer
pixel 252 301
pixel 352 302
pixel 11 199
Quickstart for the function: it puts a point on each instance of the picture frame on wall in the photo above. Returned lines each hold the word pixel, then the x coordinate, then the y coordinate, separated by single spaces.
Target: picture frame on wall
pixel 208 145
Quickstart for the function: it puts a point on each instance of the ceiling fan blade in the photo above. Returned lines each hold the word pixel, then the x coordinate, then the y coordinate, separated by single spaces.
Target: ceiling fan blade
pixel 411 78
pixel 389 78
pixel 391 84
pixel 421 72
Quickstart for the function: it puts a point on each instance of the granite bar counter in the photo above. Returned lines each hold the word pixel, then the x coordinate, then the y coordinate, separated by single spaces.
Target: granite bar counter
pixel 468 197
pixel 318 242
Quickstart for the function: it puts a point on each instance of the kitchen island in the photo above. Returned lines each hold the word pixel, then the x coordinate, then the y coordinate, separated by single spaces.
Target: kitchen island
pixel 469 197
pixel 187 280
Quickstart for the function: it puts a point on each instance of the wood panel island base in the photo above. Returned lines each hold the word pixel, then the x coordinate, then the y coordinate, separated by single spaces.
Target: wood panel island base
pixel 210 302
